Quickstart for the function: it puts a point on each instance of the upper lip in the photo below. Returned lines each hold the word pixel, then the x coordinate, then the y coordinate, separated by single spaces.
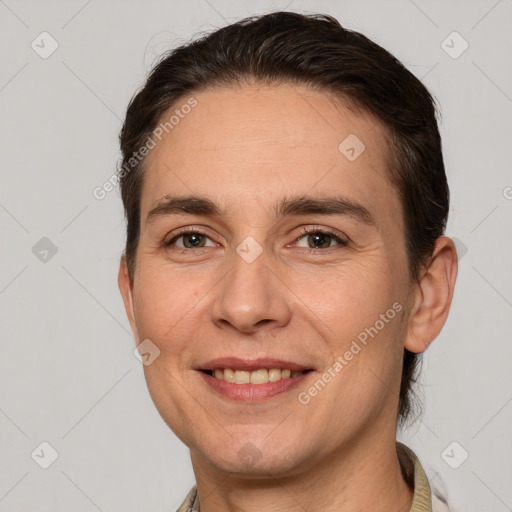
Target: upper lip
pixel 235 363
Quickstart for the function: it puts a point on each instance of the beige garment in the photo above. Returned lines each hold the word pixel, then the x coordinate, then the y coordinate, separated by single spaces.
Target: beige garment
pixel 411 468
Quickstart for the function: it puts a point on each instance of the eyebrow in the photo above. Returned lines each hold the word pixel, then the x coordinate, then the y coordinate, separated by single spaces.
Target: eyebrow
pixel 185 204
pixel 337 205
pixel 294 206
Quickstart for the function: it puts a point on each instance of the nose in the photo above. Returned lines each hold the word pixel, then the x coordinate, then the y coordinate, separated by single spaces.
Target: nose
pixel 251 297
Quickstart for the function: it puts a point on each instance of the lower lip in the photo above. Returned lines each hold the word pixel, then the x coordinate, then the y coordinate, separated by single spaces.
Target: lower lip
pixel 252 392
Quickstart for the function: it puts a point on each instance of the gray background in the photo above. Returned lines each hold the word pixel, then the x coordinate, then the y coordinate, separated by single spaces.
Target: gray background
pixel 67 372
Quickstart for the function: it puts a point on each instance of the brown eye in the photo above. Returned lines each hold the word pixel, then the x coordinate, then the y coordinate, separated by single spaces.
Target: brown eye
pixel 191 240
pixel 319 240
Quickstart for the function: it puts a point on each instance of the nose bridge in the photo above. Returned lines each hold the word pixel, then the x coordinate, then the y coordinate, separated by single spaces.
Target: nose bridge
pixel 250 296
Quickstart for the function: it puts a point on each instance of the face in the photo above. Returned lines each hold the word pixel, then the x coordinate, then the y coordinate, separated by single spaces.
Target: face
pixel 272 277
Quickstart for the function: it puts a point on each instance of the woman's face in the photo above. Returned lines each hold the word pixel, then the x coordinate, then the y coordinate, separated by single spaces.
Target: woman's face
pixel 271 242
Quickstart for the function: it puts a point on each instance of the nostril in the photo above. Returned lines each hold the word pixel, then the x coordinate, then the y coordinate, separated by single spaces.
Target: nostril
pixel 264 321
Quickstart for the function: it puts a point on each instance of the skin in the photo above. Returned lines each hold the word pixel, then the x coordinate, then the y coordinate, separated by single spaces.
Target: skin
pixel 248 149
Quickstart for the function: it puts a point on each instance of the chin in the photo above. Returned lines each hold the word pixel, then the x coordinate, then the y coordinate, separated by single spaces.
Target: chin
pixel 245 457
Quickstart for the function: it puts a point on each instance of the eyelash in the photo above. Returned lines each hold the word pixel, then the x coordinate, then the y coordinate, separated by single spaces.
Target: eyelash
pixel 305 231
pixel 188 231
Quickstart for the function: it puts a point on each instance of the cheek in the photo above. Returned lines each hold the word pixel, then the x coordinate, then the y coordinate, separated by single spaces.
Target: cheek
pixel 161 301
pixel 350 297
pixel 362 316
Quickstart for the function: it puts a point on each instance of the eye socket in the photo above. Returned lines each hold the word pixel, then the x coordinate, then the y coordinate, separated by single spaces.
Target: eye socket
pixel 314 238
pixel 192 239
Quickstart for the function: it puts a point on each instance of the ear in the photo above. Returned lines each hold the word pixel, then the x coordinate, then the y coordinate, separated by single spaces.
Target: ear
pixel 126 289
pixel 433 296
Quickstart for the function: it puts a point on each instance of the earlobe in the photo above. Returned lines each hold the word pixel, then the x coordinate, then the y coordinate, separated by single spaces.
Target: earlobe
pixel 433 296
pixel 126 289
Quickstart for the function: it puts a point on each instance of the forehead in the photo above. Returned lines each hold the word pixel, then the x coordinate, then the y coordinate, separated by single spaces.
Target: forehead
pixel 264 140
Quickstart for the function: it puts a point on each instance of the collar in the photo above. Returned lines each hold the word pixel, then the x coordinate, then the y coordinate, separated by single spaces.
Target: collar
pixel 412 470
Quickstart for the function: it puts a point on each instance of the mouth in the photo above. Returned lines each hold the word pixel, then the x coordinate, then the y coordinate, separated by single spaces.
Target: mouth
pixel 259 376
pixel 252 380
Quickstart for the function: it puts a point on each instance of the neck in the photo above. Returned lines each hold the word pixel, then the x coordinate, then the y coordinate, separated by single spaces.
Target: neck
pixel 362 475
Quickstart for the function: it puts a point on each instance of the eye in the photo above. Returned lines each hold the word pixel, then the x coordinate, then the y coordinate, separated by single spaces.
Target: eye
pixel 318 239
pixel 191 240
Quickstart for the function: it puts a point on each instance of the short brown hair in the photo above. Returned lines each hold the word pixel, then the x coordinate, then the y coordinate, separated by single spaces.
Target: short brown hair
pixel 313 50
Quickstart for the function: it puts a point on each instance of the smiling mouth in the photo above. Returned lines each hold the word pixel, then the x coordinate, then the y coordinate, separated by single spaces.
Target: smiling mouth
pixel 260 376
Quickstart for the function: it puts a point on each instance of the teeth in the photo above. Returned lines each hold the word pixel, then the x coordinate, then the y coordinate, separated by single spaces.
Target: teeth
pixel 229 375
pixel 274 375
pixel 261 376
pixel 242 377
